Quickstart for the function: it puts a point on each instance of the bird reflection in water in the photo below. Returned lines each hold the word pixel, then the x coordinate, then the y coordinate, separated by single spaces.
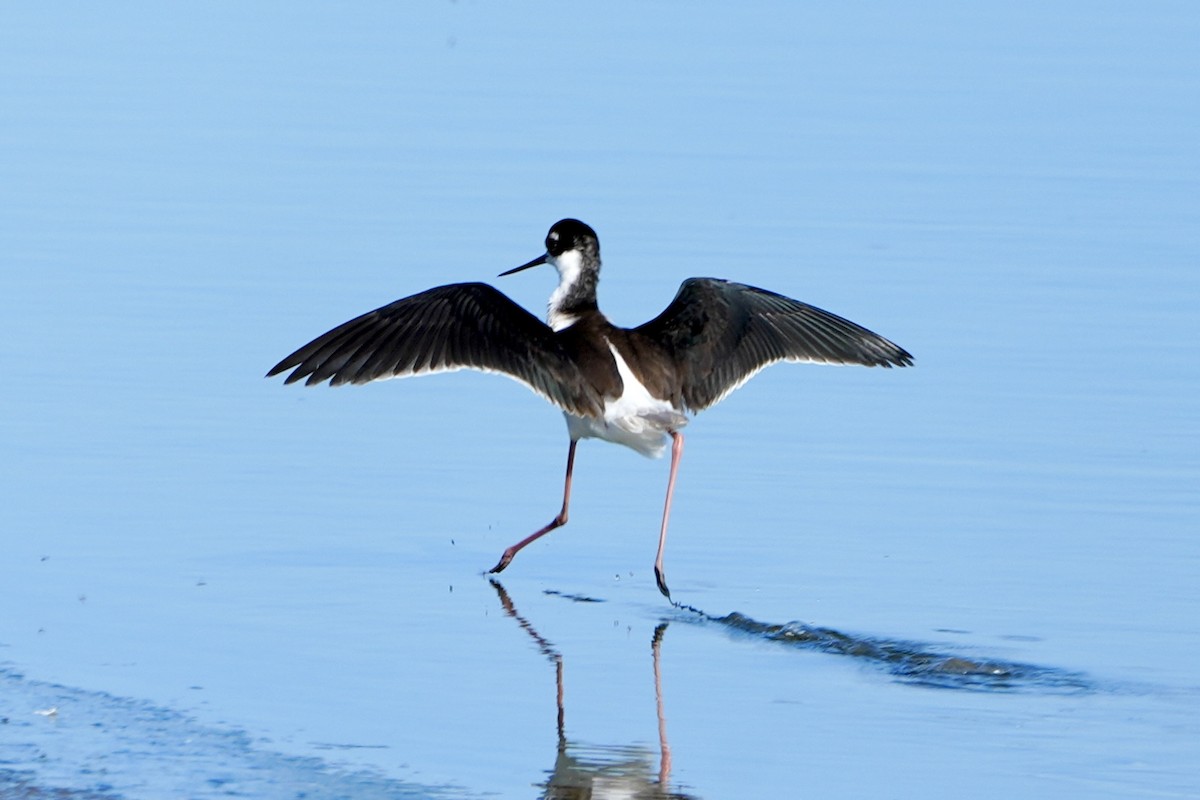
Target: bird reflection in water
pixel 594 772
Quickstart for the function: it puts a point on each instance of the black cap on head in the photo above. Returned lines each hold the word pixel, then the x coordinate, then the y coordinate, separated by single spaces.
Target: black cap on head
pixel 567 234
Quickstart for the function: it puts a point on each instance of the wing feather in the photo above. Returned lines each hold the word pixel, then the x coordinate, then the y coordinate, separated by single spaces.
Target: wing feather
pixel 722 333
pixel 461 325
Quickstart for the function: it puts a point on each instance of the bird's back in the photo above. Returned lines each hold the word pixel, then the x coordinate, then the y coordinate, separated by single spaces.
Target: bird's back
pixel 633 375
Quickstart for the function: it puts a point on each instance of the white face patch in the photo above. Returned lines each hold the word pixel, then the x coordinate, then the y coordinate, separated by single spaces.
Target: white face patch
pixel 569 266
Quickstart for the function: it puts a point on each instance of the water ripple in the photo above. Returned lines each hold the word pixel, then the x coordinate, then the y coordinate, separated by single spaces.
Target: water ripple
pixel 908 662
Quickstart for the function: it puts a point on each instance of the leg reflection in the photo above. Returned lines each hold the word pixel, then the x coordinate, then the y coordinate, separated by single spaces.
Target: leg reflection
pixel 596 771
pixel 664 747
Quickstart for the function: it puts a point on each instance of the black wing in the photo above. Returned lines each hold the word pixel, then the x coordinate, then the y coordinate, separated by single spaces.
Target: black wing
pixel 459 326
pixel 722 333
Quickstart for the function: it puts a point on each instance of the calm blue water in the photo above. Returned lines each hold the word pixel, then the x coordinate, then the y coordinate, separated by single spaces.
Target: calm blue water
pixel 976 577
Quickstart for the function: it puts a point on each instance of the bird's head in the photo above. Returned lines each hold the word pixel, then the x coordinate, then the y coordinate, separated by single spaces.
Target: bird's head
pixel 570 246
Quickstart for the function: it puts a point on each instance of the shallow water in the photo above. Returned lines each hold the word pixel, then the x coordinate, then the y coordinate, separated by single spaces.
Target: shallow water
pixel 974 576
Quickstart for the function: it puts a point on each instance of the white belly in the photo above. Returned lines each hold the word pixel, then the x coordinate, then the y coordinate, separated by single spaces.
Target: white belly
pixel 636 419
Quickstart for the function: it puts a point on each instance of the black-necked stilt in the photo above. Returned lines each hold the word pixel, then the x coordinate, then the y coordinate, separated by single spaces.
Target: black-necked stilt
pixel 630 386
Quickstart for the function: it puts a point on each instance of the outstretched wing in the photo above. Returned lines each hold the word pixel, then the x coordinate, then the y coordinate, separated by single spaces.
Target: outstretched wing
pixel 459 326
pixel 722 333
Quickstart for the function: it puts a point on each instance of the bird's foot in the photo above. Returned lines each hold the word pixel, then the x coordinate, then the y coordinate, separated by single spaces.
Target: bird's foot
pixel 662 583
pixel 504 561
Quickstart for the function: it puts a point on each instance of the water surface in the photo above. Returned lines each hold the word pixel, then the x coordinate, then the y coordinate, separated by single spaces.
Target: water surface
pixel 977 576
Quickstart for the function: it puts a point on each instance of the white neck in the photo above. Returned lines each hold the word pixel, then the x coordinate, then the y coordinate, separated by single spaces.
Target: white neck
pixel 569 266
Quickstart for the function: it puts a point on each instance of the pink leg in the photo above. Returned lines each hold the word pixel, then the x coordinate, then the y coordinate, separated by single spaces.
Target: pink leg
pixel 676 452
pixel 557 522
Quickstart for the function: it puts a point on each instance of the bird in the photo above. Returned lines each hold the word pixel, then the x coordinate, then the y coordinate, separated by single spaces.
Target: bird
pixel 629 386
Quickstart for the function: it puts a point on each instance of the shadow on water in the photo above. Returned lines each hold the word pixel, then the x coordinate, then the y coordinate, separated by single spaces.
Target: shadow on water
pixel 908 662
pixel 69 743
pixel 596 771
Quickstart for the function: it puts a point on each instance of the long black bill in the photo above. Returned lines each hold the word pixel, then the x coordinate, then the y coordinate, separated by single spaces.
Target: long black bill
pixel 539 260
